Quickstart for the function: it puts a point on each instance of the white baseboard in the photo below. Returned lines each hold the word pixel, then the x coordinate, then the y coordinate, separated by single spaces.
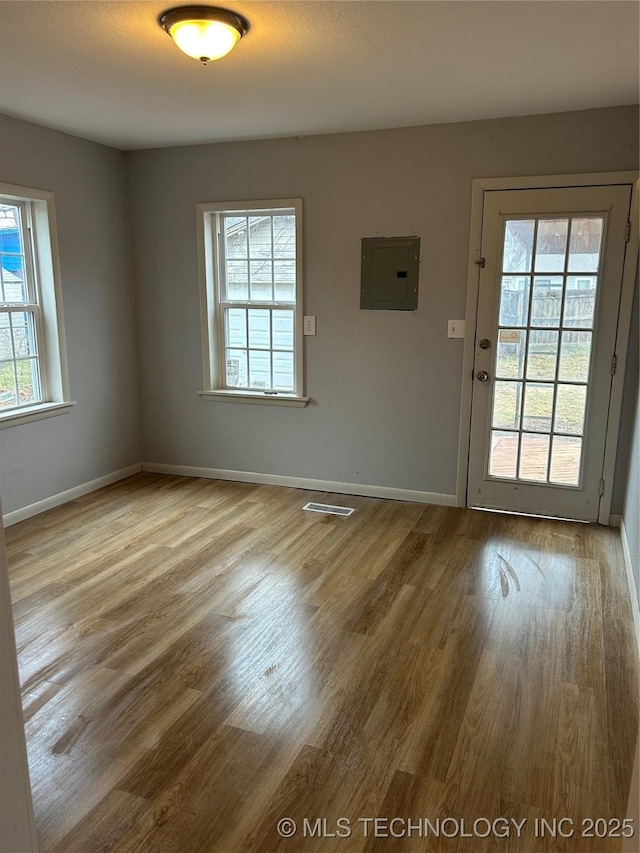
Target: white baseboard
pixel 303 483
pixel 69 495
pixel 633 592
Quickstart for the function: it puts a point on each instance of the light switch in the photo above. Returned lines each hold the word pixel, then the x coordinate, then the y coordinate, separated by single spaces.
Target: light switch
pixel 310 325
pixel 456 329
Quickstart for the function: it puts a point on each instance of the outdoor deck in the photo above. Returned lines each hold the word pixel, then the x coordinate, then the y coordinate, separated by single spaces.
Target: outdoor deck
pixel 533 461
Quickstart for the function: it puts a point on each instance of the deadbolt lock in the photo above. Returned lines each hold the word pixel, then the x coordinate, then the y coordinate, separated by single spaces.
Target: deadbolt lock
pixel 485 343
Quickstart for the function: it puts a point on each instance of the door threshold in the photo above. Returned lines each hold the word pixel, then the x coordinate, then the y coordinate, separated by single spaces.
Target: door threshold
pixel 531 515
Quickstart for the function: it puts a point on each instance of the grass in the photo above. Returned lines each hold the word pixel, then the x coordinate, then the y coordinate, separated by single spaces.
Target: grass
pixel 538 402
pixel 7 386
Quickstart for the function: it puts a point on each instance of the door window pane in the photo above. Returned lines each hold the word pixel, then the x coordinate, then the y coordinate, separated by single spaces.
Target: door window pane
pixel 570 408
pixel 534 457
pixel 538 407
pixel 510 354
pixel 503 458
pixel 546 304
pixel 580 301
pixel 518 245
pixel 507 403
pixel 514 300
pixel 575 354
pixel 566 455
pixel 551 245
pixel 584 245
pixel 542 355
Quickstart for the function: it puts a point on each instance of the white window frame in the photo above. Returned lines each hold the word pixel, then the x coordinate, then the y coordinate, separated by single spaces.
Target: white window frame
pixel 42 270
pixel 209 216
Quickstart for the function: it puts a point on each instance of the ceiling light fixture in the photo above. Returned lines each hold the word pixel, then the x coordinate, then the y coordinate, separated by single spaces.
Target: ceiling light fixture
pixel 204 32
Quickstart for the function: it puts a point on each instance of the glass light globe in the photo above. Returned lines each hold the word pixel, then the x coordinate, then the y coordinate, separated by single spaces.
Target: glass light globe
pixel 204 40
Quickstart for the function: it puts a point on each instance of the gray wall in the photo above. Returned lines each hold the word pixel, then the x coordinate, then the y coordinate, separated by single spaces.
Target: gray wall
pixel 386 386
pixel 102 432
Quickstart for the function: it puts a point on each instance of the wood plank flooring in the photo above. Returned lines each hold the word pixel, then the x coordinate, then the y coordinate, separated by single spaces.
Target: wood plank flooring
pixel 201 659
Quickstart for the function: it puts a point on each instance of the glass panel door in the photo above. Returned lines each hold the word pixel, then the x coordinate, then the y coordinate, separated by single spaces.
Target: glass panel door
pixel 548 302
pixel 544 345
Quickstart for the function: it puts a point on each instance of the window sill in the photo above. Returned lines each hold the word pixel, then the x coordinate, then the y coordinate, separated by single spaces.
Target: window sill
pixel 261 399
pixel 15 417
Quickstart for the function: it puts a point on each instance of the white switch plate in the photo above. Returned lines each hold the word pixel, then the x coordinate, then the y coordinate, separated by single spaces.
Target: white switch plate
pixel 456 329
pixel 310 325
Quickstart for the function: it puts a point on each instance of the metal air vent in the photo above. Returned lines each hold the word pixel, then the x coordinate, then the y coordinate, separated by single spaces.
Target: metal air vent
pixel 328 509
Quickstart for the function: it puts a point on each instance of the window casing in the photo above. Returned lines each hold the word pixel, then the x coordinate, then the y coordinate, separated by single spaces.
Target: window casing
pixel 251 293
pixel 33 378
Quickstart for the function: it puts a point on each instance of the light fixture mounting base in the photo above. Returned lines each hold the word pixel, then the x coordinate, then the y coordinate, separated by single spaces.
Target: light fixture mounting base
pixel 204 13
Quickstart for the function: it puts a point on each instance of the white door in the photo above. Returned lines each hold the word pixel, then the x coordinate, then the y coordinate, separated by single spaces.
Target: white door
pixel 549 296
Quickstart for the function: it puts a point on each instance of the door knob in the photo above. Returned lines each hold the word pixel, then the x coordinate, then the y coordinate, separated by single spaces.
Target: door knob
pixel 482 376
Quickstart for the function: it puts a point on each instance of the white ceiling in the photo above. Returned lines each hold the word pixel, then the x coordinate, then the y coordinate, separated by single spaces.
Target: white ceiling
pixel 104 70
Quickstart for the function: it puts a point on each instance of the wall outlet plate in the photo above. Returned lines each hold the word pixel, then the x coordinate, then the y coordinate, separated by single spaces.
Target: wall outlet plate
pixel 309 325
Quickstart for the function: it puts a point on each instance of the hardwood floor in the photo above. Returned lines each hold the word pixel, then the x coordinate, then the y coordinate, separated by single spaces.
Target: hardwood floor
pixel 201 659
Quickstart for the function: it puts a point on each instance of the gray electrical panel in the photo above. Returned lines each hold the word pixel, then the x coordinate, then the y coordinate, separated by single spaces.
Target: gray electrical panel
pixel 390 267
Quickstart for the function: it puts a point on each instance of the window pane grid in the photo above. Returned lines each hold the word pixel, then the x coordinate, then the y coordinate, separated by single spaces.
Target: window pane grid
pixel 544 348
pixel 259 348
pixel 20 373
pixel 253 250
pixel 255 298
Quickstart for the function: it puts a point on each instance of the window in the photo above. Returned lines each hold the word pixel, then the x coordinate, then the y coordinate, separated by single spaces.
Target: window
pixel 33 381
pixel 251 281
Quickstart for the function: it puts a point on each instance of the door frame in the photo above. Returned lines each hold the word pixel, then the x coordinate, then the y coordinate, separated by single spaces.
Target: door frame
pixel 481 186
